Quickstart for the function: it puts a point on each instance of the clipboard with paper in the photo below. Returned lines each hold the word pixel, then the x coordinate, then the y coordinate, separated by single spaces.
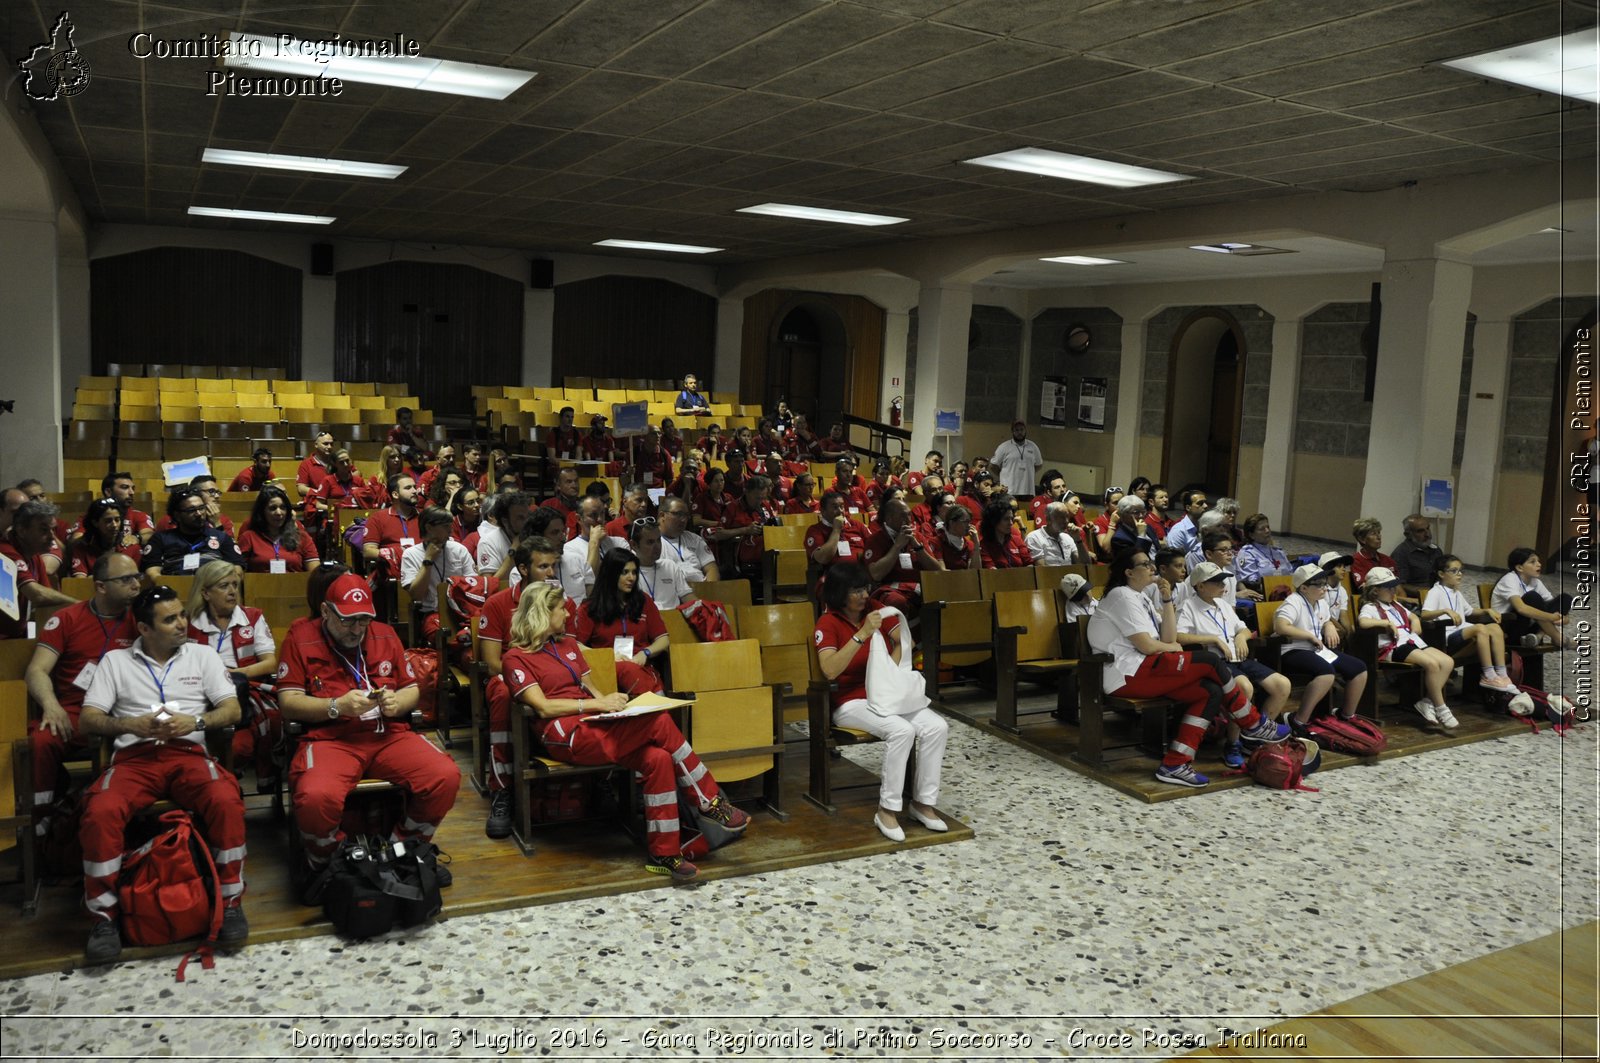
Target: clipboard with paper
pixel 643 705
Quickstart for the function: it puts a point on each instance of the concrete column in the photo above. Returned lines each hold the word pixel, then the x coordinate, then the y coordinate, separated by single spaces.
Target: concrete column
pixel 896 330
pixel 729 360
pixel 1027 404
pixel 1277 449
pixel 72 272
pixel 30 350
pixel 1480 457
pixel 943 318
pixel 317 296
pixel 1418 380
pixel 1130 403
pixel 538 337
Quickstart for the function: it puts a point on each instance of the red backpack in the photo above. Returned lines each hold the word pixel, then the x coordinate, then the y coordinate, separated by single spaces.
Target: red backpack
pixel 425 665
pixel 168 890
pixel 1357 736
pixel 1282 765
pixel 709 620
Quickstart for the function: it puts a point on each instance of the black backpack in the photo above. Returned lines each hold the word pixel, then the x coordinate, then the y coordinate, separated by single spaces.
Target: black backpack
pixel 374 885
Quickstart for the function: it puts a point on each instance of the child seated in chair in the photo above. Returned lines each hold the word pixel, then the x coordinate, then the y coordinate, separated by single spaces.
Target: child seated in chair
pixel 1400 640
pixel 1446 600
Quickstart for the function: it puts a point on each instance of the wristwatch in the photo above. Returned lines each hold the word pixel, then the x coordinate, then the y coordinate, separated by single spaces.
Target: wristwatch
pixel 858 639
pixel 333 708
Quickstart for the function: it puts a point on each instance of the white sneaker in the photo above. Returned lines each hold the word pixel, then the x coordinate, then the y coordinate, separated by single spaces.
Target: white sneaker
pixel 1447 719
pixel 1425 709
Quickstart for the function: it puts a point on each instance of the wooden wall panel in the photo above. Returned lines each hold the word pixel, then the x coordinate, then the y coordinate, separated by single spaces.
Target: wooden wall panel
pixel 634 328
pixel 437 327
pixel 194 306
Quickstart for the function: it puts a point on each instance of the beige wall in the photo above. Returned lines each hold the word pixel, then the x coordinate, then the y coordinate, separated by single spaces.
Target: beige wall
pixel 1249 485
pixel 1081 456
pixel 1149 464
pixel 1324 500
pixel 1516 515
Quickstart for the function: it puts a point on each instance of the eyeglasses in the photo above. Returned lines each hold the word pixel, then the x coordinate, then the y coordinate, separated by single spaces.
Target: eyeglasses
pixel 1144 564
pixel 1453 571
pixel 193 509
pixel 211 491
pixel 122 579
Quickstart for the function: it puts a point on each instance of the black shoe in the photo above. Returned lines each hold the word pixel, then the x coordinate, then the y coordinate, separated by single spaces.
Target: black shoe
pixel 235 927
pixel 441 867
pixel 311 882
pixel 499 824
pixel 105 942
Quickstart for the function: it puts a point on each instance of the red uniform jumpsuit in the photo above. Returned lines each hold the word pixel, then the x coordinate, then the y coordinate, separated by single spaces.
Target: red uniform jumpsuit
pixel 651 745
pixel 80 637
pixel 335 755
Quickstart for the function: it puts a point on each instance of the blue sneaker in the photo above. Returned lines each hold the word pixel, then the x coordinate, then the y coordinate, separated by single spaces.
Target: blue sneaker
pixel 1266 731
pixel 1233 755
pixel 1181 775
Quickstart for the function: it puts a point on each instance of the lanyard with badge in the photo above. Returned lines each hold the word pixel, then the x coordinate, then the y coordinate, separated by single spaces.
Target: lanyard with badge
pixel 85 674
pixel 622 645
pixel 162 709
pixel 277 566
pixel 550 648
pixel 1218 618
pixel 358 672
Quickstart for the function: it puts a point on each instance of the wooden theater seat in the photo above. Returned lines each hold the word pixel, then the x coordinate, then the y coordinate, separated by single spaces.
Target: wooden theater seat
pixel 1032 642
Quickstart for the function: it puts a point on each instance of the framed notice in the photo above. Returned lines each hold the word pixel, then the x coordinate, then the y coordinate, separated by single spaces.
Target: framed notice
pixel 1092 404
pixel 1439 497
pixel 629 418
pixel 1053 402
pixel 946 422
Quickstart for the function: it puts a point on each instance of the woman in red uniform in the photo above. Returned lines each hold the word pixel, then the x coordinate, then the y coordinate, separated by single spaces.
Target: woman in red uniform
pixel 102 533
pixel 619 613
pixel 545 670
pixel 243 639
pixel 272 540
pixel 998 538
pixel 954 546
pixel 843 639
pixel 709 503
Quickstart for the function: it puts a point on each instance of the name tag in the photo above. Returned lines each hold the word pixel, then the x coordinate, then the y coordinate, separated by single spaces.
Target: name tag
pixel 844 547
pixel 905 561
pixel 1327 655
pixel 855 510
pixel 191 562
pixel 278 566
pixel 622 647
pixel 566 455
pixel 649 477
pixel 406 544
pixel 86 675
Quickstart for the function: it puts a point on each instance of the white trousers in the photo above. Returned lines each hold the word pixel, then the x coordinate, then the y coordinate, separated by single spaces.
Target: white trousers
pixel 925 729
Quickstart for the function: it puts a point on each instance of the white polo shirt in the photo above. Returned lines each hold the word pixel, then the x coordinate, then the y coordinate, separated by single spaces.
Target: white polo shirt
pixel 453 560
pixel 667 582
pixel 1050 548
pixel 576 575
pixel 1123 612
pixel 493 546
pixel 128 684
pixel 690 551
pixel 1218 618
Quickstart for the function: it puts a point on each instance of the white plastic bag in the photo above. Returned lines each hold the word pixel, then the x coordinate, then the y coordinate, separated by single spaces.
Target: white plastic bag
pixel 894 689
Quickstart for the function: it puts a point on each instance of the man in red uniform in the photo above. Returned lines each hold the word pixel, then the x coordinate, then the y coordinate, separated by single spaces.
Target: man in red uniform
pixel 932 465
pixel 409 441
pixel 835 537
pixel 347 680
pixel 392 531
pixel 562 442
pixel 599 444
pixel 923 514
pixel 742 522
pixel 1055 489
pixel 848 484
pixel 635 504
pixel 893 556
pixel 652 463
pixel 157 699
pixel 71 645
pixel 26 542
pixel 537 560
pixel 256 475
pixel 566 498
pixel 345 488
pixel 137 527
pixel 317 464
pixel 835 446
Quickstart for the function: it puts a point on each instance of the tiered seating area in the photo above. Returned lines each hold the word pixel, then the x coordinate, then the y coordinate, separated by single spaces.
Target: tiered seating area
pixel 525 414
pixel 148 414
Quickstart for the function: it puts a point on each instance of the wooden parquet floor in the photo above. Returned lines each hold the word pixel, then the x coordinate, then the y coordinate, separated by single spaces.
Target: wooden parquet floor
pixel 573 861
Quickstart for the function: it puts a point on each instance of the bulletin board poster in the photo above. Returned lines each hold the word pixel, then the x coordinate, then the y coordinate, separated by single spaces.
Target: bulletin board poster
pixel 1092 404
pixel 629 418
pixel 947 422
pixel 8 588
pixel 1439 498
pixel 1053 402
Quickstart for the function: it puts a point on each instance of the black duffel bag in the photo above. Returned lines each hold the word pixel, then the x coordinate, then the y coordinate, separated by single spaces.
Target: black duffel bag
pixel 373 886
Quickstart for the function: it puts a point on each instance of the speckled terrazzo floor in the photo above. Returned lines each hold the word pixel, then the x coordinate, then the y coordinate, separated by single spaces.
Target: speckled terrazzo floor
pixel 1077 919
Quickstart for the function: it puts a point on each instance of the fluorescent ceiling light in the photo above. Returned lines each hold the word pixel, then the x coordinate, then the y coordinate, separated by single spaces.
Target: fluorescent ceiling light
pixel 1562 66
pixel 301 58
pixel 1085 260
pixel 842 217
pixel 1076 168
pixel 307 163
pixel 261 215
pixel 651 245
pixel 1226 248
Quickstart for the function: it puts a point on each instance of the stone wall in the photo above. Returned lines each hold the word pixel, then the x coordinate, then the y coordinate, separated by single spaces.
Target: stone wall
pixel 1331 415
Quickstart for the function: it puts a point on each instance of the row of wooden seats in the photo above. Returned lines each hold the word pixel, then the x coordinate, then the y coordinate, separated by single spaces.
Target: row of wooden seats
pixel 207 378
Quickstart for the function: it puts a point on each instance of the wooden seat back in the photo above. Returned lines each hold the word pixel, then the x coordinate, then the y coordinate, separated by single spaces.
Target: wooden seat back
pixel 783 537
pixel 729 592
pixel 1271 585
pixel 784 634
pixel 991 581
pixel 602 662
pixel 961 585
pixel 1036 612
pixel 715 665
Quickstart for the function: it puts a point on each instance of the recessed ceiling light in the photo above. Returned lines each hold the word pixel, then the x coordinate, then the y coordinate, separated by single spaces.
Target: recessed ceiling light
pixel 287 55
pixel 307 163
pixel 1076 168
pixel 1231 248
pixel 1085 260
pixel 651 245
pixel 262 215
pixel 1562 66
pixel 841 217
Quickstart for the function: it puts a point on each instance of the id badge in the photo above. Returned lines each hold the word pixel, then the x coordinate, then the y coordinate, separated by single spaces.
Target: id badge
pixel 406 544
pixel 278 566
pixel 905 562
pixel 855 511
pixel 844 547
pixel 566 455
pixel 622 647
pixel 86 675
pixel 374 712
pixel 649 477
pixel 191 562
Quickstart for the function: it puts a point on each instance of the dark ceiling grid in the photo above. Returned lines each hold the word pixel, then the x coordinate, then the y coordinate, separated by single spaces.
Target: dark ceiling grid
pixel 662 119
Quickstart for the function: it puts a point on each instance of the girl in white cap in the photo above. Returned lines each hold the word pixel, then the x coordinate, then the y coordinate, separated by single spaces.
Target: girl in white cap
pixel 1400 640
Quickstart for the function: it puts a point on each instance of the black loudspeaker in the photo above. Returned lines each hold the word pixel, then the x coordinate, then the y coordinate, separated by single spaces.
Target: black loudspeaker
pixel 543 275
pixel 322 260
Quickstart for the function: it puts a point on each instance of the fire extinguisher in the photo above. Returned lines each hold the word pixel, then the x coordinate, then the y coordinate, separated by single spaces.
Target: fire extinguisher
pixel 895 406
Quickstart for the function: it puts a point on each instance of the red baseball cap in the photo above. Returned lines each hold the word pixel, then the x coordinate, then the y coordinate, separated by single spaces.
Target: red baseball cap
pixel 351 597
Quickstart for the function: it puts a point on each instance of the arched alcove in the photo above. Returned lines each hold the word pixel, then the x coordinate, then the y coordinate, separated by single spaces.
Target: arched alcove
pixel 805 361
pixel 1205 398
